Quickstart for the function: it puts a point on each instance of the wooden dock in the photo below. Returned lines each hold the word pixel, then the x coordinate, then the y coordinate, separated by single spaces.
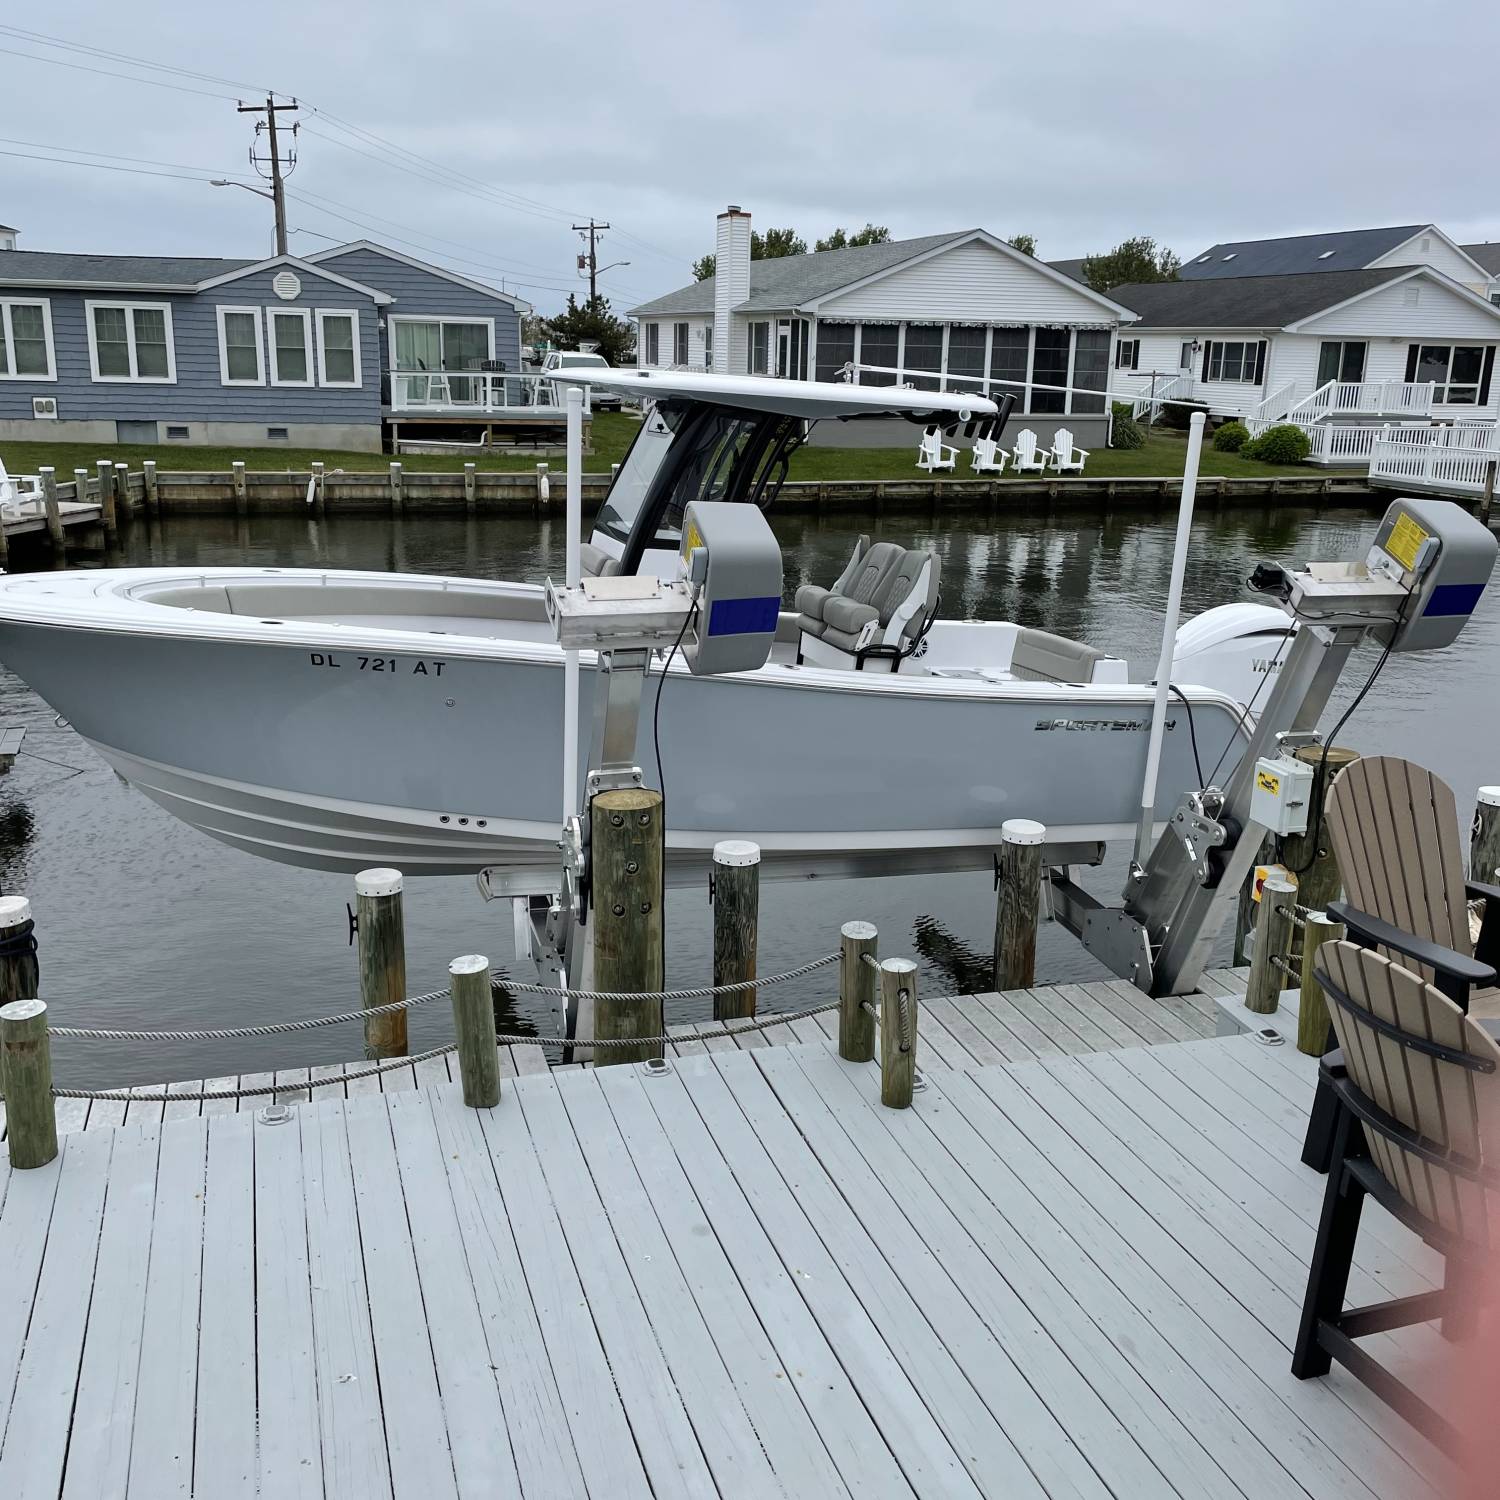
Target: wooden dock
pixel 1077 1274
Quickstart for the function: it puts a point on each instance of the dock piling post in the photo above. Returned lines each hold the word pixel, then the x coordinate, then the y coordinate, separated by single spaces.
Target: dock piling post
pixel 241 490
pixel 148 481
pixel 320 504
pixel 629 851
pixel 1317 871
pixel 1016 908
pixel 1487 499
pixel 474 1027
pixel 857 941
pixel 898 1032
pixel 122 489
pixel 471 488
pixel 736 899
pixel 1484 840
pixel 26 1077
pixel 382 959
pixel 397 498
pixel 105 471
pixel 1312 1006
pixel 54 514
pixel 1273 940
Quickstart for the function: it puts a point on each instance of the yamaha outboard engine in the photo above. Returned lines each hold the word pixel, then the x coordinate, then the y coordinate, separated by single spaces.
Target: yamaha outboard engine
pixel 1236 649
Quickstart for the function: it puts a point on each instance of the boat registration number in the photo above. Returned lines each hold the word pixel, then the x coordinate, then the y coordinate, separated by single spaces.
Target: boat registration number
pixel 392 666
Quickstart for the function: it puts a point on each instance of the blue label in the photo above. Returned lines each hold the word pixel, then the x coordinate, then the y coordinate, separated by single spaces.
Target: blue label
pixel 744 616
pixel 1454 599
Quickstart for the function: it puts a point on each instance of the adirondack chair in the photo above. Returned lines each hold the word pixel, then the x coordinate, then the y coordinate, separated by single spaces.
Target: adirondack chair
pixel 934 453
pixel 1393 828
pixel 1065 457
pixel 985 457
pixel 19 489
pixel 1418 1107
pixel 1026 457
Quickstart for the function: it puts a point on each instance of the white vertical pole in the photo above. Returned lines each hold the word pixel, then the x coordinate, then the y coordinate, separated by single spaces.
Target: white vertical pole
pixel 1169 636
pixel 574 574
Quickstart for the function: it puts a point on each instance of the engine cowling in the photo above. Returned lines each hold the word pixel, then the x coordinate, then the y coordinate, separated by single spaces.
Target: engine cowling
pixel 1233 648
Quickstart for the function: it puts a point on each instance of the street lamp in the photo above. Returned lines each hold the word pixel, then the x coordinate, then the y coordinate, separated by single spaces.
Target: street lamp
pixel 259 192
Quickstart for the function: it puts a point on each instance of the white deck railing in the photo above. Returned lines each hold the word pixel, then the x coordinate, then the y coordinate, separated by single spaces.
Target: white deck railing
pixel 1160 387
pixel 1448 459
pixel 481 392
pixel 1274 408
pixel 1374 398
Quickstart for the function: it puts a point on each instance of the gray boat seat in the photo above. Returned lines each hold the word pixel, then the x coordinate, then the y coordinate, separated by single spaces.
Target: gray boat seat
pixel 880 605
pixel 595 562
pixel 1040 656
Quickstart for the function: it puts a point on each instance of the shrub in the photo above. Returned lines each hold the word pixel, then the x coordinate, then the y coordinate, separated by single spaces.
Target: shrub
pixel 1125 432
pixel 1178 414
pixel 1282 444
pixel 1231 437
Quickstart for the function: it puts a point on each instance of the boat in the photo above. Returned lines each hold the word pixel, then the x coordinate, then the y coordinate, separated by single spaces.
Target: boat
pixel 343 719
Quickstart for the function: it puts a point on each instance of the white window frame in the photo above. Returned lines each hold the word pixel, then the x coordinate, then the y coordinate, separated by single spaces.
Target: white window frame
pixel 304 316
pixel 488 324
pixel 130 309
pixel 260 346
pixel 351 314
pixel 1132 361
pixel 6 303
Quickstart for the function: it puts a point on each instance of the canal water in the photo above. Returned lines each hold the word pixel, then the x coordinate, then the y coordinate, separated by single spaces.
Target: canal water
pixel 143 922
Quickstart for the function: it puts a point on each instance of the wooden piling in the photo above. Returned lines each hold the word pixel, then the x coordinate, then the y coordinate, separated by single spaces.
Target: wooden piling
pixel 1484 840
pixel 241 490
pixel 857 941
pixel 898 1032
pixel 1312 1006
pixel 53 512
pixel 151 496
pixel 474 1028
pixel 629 851
pixel 1316 869
pixel 26 1077
pixel 105 474
pixel 736 899
pixel 1487 498
pixel 1273 939
pixel 1016 908
pixel 471 488
pixel 122 489
pixel 320 504
pixel 382 959
pixel 398 499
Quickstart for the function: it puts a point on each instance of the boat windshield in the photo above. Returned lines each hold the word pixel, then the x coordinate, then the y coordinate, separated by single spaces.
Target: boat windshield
pixel 628 492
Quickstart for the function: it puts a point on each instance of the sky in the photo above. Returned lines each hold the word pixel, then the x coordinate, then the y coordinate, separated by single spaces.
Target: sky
pixel 475 134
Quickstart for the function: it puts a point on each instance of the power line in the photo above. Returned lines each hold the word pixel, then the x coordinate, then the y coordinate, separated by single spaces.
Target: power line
pixel 141 161
pixel 103 166
pixel 159 83
pixel 39 38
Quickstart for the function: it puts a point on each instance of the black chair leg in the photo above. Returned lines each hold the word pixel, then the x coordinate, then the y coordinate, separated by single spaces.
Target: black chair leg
pixel 1317 1145
pixel 1333 1255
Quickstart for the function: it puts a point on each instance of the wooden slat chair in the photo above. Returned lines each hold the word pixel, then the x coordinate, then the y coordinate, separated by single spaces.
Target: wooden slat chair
pixel 1417 1111
pixel 1393 828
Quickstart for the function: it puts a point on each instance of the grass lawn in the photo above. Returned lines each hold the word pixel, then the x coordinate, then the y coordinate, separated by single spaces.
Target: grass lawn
pixel 613 433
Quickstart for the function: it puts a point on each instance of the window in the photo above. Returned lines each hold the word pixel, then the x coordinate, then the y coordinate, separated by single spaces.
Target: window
pixel 1341 361
pixel 680 343
pixel 1010 349
pixel 835 349
pixel 708 346
pixel 239 346
pixel 1230 256
pixel 1090 370
pixel 420 345
pixel 760 348
pixel 965 357
pixel 288 335
pixel 653 342
pixel 338 347
pixel 924 354
pixel 1495 297
pixel 1185 355
pixel 879 345
pixel 1235 360
pixel 130 341
pixel 1460 372
pixel 1050 368
pixel 26 341
pixel 1128 354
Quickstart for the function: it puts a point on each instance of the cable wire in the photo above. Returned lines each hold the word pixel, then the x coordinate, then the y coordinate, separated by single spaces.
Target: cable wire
pixel 661 780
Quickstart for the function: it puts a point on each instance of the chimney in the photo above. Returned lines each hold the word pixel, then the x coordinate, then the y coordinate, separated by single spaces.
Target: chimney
pixel 8 237
pixel 731 287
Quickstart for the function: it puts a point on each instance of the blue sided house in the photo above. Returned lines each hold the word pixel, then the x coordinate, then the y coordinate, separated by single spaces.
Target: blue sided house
pixel 333 350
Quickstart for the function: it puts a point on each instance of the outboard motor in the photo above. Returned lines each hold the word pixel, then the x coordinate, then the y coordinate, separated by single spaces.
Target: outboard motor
pixel 1233 649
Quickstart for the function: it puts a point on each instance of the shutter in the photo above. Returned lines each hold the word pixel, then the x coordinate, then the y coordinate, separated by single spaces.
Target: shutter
pixel 1484 379
pixel 1208 349
pixel 1411 362
pixel 1260 363
pixel 1135 354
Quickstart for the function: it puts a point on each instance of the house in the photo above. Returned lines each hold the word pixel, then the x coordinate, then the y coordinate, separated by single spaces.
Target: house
pixel 1488 256
pixel 1339 353
pixel 962 310
pixel 328 350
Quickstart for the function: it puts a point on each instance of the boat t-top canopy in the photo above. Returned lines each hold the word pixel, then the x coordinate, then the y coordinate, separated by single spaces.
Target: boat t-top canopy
pixel 809 399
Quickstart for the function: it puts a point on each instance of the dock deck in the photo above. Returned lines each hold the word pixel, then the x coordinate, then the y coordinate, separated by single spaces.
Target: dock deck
pixel 1074 1275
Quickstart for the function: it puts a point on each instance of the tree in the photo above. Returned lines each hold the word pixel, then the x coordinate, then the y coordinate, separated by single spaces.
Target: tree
pixel 705 266
pixel 772 245
pixel 871 234
pixel 590 320
pixel 1025 243
pixel 1139 259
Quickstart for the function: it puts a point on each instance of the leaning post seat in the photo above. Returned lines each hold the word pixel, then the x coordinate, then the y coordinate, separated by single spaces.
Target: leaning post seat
pixel 1040 656
pixel 880 606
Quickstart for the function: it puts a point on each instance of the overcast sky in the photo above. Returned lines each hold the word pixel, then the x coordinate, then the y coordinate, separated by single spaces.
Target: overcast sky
pixel 1081 124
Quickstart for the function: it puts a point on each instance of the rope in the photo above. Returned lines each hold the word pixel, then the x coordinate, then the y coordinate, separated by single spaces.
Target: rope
pixel 783 1018
pixel 707 991
pixel 1286 966
pixel 903 1018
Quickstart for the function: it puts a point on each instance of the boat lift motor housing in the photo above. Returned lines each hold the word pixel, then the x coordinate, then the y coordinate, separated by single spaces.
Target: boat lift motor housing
pixel 730 553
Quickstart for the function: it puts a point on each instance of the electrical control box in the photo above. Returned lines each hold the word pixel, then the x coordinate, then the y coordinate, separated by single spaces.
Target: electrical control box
pixel 1443 557
pixel 730 554
pixel 1280 793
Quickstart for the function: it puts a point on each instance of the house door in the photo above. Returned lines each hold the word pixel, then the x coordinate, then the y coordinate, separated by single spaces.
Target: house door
pixel 791 349
pixel 1341 361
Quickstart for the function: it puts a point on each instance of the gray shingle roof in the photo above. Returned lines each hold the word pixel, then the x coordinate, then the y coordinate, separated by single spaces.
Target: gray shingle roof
pixel 1352 249
pixel 792 280
pixel 1246 301
pixel 1073 268
pixel 1488 255
pixel 114 270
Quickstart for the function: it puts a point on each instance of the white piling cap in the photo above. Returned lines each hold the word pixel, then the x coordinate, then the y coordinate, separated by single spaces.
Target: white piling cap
pixel 1489 796
pixel 736 853
pixel 14 910
pixel 380 882
pixel 1022 831
pixel 469 963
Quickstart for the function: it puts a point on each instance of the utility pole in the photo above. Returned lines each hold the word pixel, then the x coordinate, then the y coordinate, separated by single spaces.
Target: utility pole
pixel 590 261
pixel 270 109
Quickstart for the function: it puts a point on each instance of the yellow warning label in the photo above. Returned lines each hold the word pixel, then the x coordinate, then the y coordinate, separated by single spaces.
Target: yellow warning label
pixel 1270 872
pixel 1405 541
pixel 1268 783
pixel 692 538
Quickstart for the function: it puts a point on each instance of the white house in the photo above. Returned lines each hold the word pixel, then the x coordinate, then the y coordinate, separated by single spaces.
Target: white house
pixel 1488 256
pixel 948 311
